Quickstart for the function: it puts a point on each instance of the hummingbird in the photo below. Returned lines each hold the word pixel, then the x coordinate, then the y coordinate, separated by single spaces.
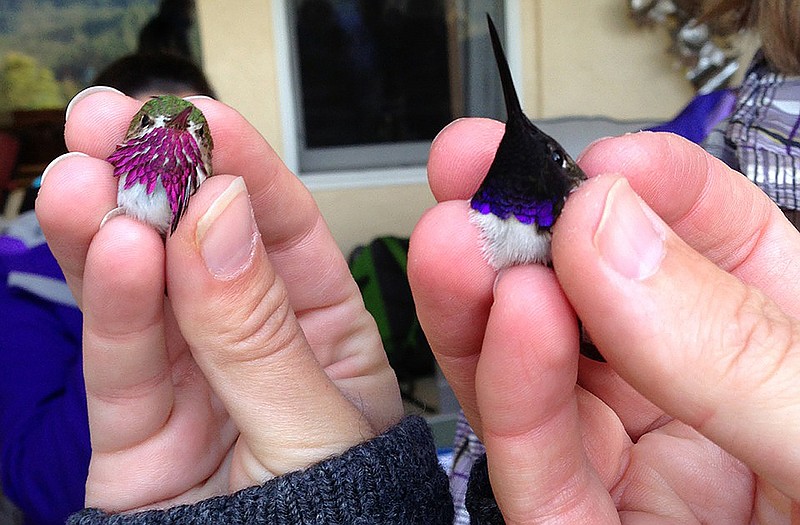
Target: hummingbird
pixel 526 186
pixel 524 190
pixel 165 157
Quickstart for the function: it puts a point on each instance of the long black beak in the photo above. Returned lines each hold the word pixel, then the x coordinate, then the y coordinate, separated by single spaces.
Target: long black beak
pixel 513 107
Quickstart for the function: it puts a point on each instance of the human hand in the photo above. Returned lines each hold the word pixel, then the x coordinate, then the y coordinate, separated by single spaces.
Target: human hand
pixel 695 416
pixel 262 359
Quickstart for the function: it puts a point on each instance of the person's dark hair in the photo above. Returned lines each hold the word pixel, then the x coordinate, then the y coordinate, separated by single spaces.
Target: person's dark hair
pixel 168 31
pixel 138 73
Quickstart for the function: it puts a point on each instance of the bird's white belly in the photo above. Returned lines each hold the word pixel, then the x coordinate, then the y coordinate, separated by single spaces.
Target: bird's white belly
pixel 509 242
pixel 153 209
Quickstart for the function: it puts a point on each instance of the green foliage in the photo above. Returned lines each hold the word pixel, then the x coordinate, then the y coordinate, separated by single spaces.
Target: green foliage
pixel 25 84
pixel 71 40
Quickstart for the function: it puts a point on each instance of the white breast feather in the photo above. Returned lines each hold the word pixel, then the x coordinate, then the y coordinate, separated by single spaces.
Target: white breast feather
pixel 509 242
pixel 153 209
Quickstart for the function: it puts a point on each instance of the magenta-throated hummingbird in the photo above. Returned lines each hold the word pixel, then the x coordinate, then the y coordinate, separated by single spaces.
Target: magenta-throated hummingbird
pixel 165 157
pixel 528 182
pixel 525 189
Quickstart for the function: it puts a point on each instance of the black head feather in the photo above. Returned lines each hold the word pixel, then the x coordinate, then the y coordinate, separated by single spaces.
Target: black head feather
pixel 531 174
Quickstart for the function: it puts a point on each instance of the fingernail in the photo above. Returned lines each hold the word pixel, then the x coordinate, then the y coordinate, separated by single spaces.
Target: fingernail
pixel 449 124
pixel 500 274
pixel 629 238
pixel 85 93
pixel 56 161
pixel 198 97
pixel 227 233
pixel 116 212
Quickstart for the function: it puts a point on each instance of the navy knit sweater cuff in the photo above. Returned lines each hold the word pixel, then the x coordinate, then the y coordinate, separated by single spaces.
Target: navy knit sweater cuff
pixel 394 478
pixel 480 502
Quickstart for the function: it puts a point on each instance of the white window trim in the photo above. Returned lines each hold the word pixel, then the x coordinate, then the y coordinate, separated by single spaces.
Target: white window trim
pixel 366 177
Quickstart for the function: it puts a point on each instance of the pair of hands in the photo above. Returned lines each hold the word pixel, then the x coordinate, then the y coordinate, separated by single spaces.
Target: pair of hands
pixel 685 276
pixel 262 359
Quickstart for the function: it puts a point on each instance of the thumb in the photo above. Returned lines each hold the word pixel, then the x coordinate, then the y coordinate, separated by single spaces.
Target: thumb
pixel 696 341
pixel 234 312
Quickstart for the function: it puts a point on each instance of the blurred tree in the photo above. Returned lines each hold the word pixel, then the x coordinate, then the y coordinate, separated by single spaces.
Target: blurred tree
pixel 26 84
pixel 63 44
pixel 73 38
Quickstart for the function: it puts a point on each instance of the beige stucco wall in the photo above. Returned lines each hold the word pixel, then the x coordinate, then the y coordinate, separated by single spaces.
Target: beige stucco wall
pixel 588 58
pixel 239 58
pixel 356 216
pixel 578 57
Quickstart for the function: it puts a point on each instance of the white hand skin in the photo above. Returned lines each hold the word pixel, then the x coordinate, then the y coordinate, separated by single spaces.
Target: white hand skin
pixel 201 393
pixel 690 291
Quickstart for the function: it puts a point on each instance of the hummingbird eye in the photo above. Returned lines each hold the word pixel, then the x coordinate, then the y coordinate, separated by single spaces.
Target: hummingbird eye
pixel 146 120
pixel 557 157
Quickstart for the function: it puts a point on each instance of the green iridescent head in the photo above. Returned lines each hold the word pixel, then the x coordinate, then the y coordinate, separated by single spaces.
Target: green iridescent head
pixel 164 159
pixel 170 110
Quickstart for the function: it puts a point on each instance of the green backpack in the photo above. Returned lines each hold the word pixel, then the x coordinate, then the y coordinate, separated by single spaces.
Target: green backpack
pixel 379 269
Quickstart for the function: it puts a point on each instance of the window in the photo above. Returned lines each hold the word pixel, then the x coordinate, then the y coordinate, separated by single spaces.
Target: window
pixel 376 80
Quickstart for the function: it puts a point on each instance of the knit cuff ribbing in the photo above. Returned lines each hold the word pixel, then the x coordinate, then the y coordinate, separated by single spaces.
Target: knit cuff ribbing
pixel 480 502
pixel 394 478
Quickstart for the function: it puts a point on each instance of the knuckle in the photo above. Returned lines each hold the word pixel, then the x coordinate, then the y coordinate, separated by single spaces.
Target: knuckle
pixel 256 324
pixel 757 341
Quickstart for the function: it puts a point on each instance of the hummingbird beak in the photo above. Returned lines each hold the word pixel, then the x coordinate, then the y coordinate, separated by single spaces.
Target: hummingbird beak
pixel 180 120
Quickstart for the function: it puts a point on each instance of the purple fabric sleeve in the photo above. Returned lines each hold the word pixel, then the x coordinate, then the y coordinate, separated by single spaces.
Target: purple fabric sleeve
pixel 44 430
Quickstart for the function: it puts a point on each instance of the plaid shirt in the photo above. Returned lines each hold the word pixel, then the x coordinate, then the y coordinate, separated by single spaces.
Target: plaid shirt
pixel 760 138
pixel 467 449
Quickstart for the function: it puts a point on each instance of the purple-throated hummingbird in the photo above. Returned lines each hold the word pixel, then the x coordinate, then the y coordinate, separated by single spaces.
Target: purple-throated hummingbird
pixel 524 190
pixel 528 182
pixel 165 157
